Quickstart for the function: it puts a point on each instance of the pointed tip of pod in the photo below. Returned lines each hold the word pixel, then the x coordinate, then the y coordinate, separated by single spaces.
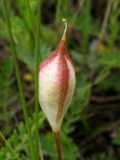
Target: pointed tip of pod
pixel 65 30
pixel 62 45
pixel 61 49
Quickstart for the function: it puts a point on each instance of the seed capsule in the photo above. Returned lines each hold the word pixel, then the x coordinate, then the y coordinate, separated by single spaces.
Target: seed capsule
pixel 56 84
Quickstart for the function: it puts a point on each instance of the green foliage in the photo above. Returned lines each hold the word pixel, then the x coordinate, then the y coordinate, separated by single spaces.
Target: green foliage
pixel 114 24
pixel 68 147
pixel 6 90
pixel 19 142
pixel 107 83
pixel 111 59
pixel 6 71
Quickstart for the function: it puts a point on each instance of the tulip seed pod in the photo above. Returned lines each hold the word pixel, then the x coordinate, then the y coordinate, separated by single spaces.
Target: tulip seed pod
pixel 56 84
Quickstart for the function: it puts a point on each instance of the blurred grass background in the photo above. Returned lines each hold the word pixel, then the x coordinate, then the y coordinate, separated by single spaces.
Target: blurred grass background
pixel 92 124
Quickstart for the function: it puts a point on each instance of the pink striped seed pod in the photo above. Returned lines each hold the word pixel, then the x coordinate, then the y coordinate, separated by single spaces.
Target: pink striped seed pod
pixel 56 84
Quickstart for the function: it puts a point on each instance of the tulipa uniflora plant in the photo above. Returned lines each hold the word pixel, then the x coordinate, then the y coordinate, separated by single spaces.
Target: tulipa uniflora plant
pixel 56 87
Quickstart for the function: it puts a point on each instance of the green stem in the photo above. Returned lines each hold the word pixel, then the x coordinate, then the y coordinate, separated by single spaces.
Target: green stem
pixel 9 146
pixel 57 11
pixel 30 11
pixel 31 17
pixel 75 16
pixel 37 58
pixel 17 71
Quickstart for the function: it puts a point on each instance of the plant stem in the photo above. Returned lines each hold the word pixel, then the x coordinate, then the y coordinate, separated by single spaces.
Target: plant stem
pixel 105 20
pixel 74 18
pixel 58 144
pixel 30 11
pixel 57 11
pixel 37 58
pixel 17 71
pixel 31 17
pixel 14 54
pixel 9 146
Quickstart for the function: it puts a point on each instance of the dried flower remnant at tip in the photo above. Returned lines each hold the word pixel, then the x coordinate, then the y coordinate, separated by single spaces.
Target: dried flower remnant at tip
pixel 56 84
pixel 64 33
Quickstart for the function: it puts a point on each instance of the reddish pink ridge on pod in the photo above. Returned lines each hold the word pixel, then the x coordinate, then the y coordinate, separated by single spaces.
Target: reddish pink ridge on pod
pixel 63 73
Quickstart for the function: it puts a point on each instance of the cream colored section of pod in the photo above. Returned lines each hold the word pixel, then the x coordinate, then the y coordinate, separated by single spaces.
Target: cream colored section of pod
pixel 48 91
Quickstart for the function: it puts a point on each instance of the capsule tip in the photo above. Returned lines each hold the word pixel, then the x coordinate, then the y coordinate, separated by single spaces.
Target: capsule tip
pixel 65 30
